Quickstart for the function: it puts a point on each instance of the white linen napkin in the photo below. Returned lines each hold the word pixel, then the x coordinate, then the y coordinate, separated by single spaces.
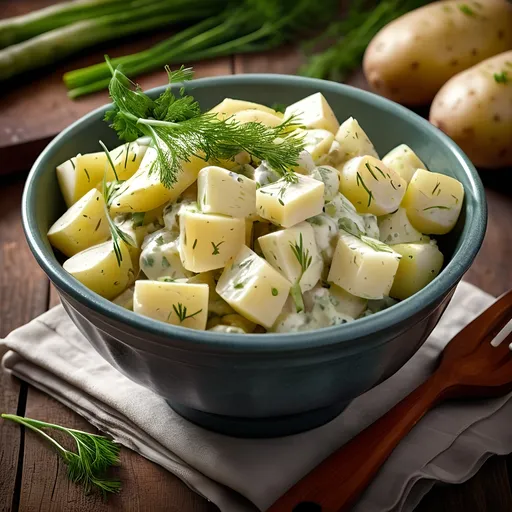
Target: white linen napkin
pixel 246 475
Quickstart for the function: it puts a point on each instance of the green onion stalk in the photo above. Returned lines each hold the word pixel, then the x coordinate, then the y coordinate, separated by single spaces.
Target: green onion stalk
pixel 130 17
pixel 253 26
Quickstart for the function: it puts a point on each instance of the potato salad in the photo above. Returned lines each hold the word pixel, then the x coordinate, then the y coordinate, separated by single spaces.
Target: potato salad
pixel 237 246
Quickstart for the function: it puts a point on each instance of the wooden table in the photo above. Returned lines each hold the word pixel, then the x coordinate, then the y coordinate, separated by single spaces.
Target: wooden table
pixel 31 476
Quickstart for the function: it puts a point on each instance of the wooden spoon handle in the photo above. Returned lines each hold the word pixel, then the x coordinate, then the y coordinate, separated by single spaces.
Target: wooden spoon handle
pixel 336 483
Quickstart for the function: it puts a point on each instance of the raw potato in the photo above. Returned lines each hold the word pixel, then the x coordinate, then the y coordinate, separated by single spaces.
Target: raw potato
pixel 433 202
pixel 404 161
pixel 98 269
pixel 474 108
pixel 83 225
pixel 420 264
pixel 180 304
pixel 412 57
pixel 370 186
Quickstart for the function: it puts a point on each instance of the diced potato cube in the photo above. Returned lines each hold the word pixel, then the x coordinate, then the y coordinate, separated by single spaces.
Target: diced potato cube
pixel 370 186
pixel 83 225
pixel 253 288
pixel 347 303
pixel 342 211
pixel 326 236
pixel 144 191
pixel 125 299
pixel 225 192
pixel 318 143
pixel 209 241
pixel 126 160
pixel 433 202
pixel 81 174
pixel 216 304
pixel 330 177
pixel 248 232
pixel 286 204
pixel 313 112
pixel 371 225
pixel 420 264
pixel 230 106
pixel 98 269
pixel 404 161
pixel 395 228
pixel 364 267
pixel 257 116
pixel 180 304
pixel 280 250
pixel 160 256
pixel 353 142
pixel 334 298
pixel 239 321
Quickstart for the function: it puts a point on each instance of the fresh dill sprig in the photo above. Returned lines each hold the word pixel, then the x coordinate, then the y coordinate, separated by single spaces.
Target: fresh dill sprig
pixel 179 131
pixel 305 259
pixel 109 191
pixel 88 465
pixel 501 78
pixel 181 312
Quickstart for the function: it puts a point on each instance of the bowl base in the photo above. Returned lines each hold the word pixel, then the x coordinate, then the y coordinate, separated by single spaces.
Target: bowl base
pixel 277 426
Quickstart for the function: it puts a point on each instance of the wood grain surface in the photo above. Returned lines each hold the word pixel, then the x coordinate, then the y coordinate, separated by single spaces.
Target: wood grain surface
pixel 31 477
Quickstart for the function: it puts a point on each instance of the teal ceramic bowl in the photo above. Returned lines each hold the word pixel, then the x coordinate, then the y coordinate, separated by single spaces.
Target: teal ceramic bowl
pixel 263 385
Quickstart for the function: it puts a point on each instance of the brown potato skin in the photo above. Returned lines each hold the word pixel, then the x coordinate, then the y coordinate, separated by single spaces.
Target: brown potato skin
pixel 476 112
pixel 411 58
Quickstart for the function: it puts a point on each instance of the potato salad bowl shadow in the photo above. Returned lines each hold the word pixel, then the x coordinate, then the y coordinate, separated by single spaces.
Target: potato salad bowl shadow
pixel 258 385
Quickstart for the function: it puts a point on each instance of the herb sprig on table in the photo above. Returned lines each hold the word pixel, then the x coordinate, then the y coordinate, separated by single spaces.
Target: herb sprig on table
pixel 89 464
pixel 179 131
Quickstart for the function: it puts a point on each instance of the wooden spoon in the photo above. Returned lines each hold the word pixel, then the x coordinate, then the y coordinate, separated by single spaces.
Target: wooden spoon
pixel 470 366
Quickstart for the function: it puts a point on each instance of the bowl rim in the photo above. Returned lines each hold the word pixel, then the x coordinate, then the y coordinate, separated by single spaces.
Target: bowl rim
pixel 471 239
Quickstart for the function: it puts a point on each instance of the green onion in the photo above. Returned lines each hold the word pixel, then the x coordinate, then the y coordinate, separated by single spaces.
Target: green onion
pixel 130 17
pixel 254 25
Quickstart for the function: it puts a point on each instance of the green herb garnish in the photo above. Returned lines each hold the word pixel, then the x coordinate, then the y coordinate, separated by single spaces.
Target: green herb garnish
pixel 305 260
pixel 181 312
pixel 501 78
pixel 138 219
pixel 360 182
pixel 368 166
pixel 116 232
pixel 216 248
pixel 467 10
pixel 437 207
pixel 275 292
pixel 179 131
pixel 88 465
pixel 376 245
